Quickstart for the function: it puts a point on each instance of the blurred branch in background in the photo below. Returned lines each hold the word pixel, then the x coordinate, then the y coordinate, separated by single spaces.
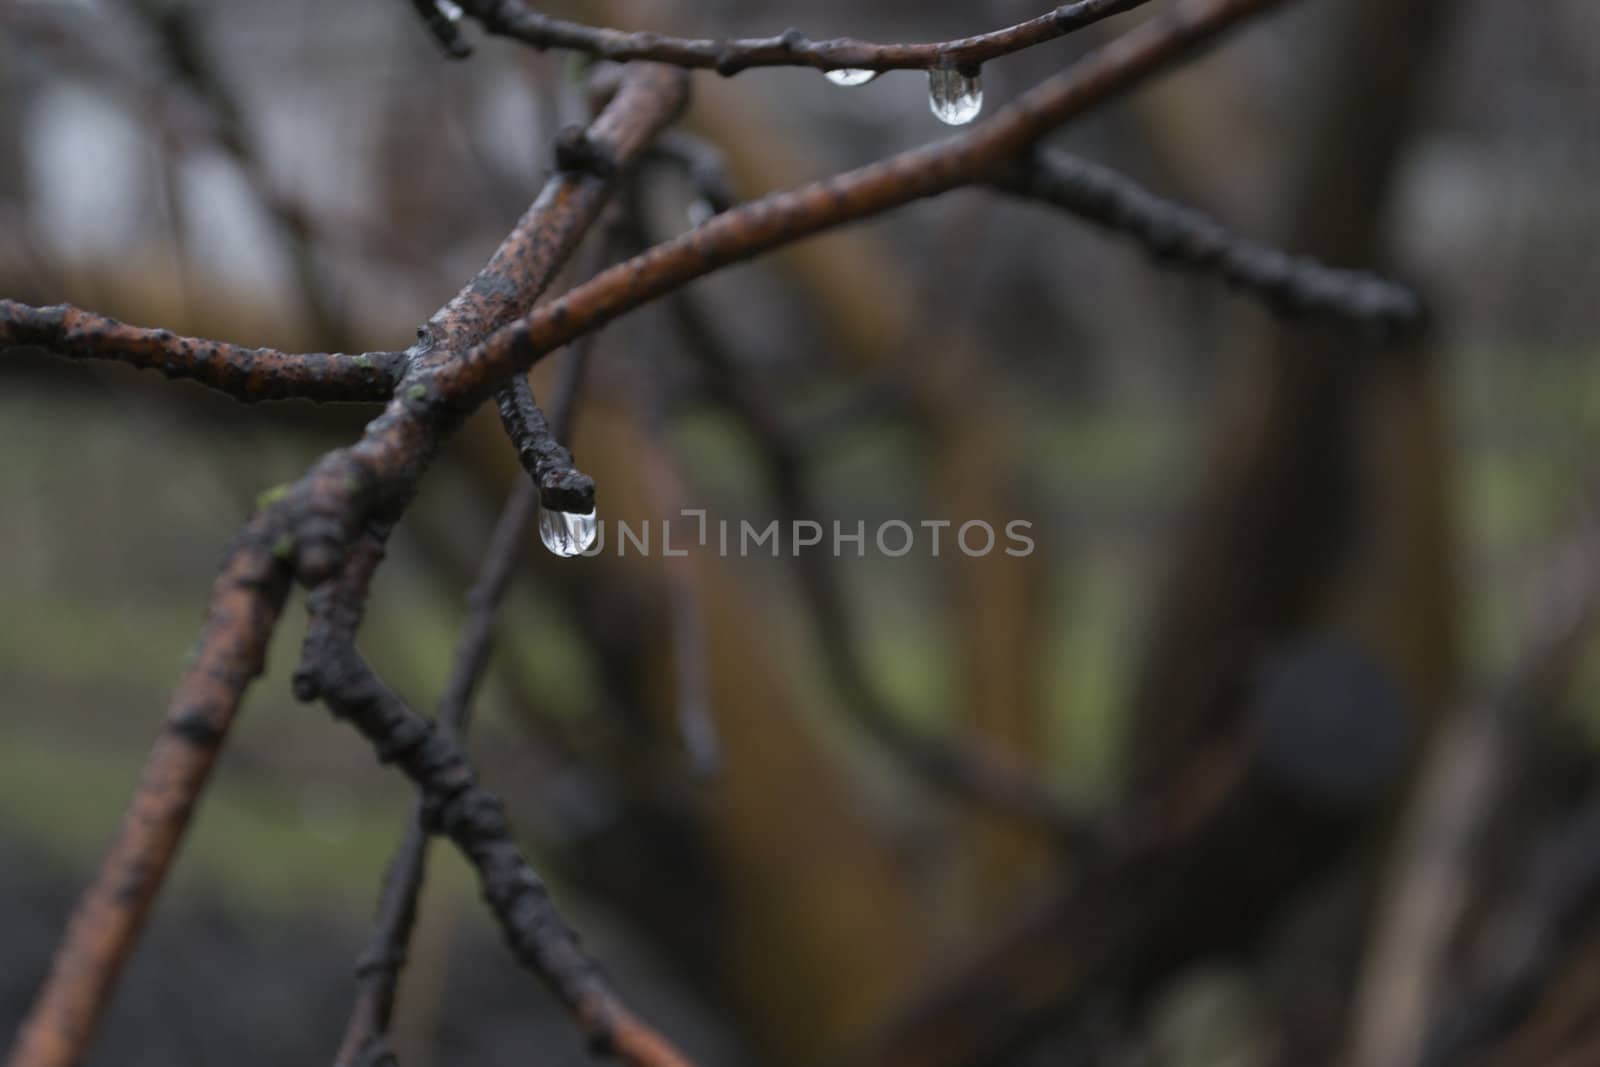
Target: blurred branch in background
pixel 1490 756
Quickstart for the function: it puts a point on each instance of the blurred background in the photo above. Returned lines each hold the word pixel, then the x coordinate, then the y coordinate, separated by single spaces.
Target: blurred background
pixel 1277 567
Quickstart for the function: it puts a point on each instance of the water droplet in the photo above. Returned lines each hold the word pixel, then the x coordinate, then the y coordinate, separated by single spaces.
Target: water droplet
pixel 848 76
pixel 566 533
pixel 953 97
pixel 449 10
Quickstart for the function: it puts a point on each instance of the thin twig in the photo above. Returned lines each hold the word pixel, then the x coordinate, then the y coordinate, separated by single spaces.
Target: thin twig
pixel 1183 237
pixel 246 374
pixel 474 819
pixel 562 486
pixel 1530 944
pixel 511 18
pixel 379 967
pixel 525 263
pixel 1469 776
pixel 378 474
pixel 1463 781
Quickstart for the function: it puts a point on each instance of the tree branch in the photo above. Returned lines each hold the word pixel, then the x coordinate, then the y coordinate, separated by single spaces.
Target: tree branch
pixel 562 487
pixel 511 18
pixel 1181 236
pixel 245 603
pixel 519 270
pixel 1466 787
pixel 246 374
pixel 474 819
pixel 378 970
pixel 377 475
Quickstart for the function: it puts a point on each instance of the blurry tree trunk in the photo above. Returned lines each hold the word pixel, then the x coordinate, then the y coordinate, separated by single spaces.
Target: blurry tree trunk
pixel 1002 602
pixel 1330 464
pixel 1326 504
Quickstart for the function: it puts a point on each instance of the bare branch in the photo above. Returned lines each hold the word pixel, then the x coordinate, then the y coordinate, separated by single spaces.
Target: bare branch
pixel 1183 237
pixel 1537 937
pixel 515 275
pixel 474 819
pixel 1468 781
pixel 512 18
pixel 781 218
pixel 562 487
pixel 377 475
pixel 245 603
pixel 378 970
pixel 246 374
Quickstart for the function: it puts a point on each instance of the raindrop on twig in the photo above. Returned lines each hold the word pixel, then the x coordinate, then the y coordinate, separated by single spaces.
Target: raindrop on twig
pixel 953 97
pixel 849 76
pixel 566 533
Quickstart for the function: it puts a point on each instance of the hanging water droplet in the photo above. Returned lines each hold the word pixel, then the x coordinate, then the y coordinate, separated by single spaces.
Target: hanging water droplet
pixel 953 97
pixel 566 533
pixel 449 9
pixel 848 76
